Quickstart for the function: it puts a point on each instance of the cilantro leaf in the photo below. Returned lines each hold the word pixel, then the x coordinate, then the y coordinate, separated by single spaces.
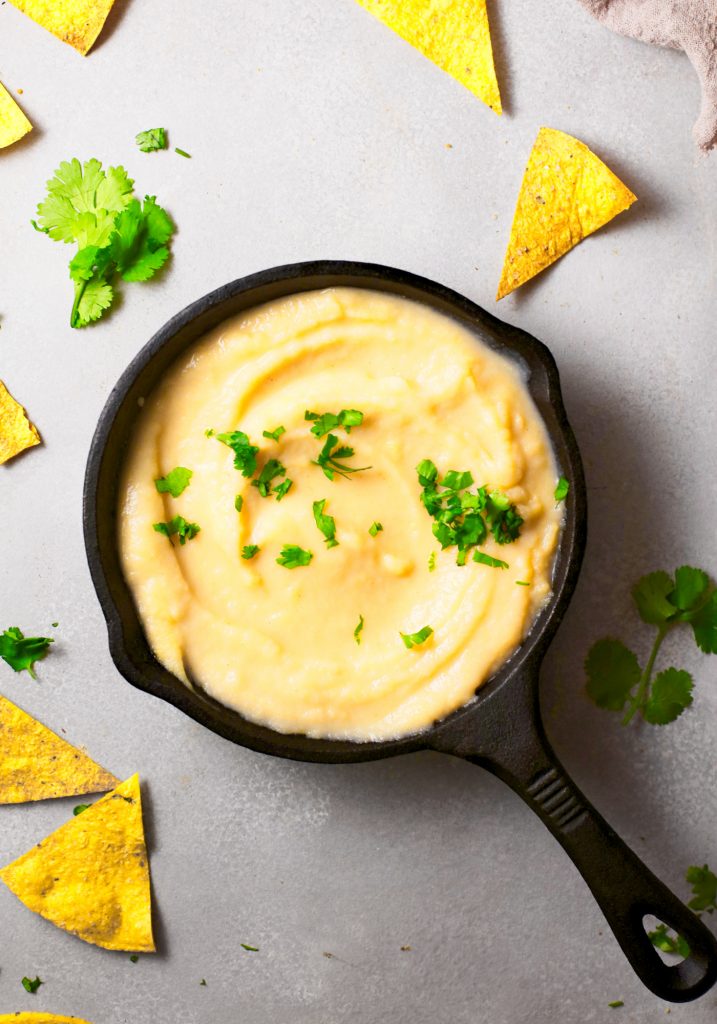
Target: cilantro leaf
pixel 484 559
pixel 283 489
pixel 704 889
pixel 244 452
pixel 562 488
pixel 375 528
pixel 325 523
pixel 612 670
pixel 670 694
pixel 138 243
pixel 292 556
pixel 80 808
pixel 179 526
pixel 152 140
pixel 82 202
pixel 704 625
pixel 175 482
pixel 328 421
pixel 416 639
pixel 359 629
pixel 274 435
pixel 651 595
pixel 271 470
pixel 92 299
pixel 668 941
pixel 249 550
pixel 21 652
pixel 31 986
pixel 690 586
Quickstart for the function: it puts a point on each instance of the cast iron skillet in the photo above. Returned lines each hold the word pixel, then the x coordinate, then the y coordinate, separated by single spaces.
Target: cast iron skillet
pixel 501 729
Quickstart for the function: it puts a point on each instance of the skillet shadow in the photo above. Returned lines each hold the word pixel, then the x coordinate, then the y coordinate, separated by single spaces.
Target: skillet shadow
pixel 499 43
pixel 626 538
pixel 159 929
pixel 112 23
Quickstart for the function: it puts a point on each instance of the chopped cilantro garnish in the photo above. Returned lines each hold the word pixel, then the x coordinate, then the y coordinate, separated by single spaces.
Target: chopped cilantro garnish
pixel 283 489
pixel 292 556
pixel 327 524
pixel 80 808
pixel 152 140
pixel 615 1003
pixel 248 948
pixel 249 550
pixel 271 470
pixel 329 421
pixel 562 488
pixel 432 562
pixel 704 889
pixel 175 482
pixel 330 455
pixel 358 630
pixel 182 152
pixel 484 559
pixel 21 652
pixel 244 451
pixel 522 583
pixel 203 982
pixel 616 681
pixel 31 986
pixel 375 528
pixel 134 958
pixel 668 941
pixel 416 639
pixel 179 525
pixel 209 432
pixel 238 503
pixel 274 435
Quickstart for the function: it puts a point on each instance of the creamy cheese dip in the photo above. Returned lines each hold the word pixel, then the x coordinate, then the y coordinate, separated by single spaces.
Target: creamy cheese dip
pixel 278 644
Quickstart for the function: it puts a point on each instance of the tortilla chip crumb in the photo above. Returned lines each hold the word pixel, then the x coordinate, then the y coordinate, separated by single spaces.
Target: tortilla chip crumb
pixel 16 431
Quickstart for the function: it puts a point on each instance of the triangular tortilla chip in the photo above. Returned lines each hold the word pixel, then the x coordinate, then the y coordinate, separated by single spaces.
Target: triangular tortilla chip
pixel 35 764
pixel 91 876
pixel 77 22
pixel 16 431
pixel 13 123
pixel 566 194
pixel 38 1018
pixel 454 34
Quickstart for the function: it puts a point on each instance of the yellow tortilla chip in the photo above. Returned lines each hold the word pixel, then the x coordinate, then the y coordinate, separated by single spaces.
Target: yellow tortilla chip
pixel 566 194
pixel 16 431
pixel 454 34
pixel 91 876
pixel 35 764
pixel 38 1018
pixel 77 22
pixel 13 123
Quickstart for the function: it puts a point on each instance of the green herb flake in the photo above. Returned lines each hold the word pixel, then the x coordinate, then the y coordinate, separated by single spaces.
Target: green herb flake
pixel 179 526
pixel 238 503
pixel 292 556
pixel 209 432
pixel 283 489
pixel 484 559
pixel 175 482
pixel 152 140
pixel 182 152
pixel 271 470
pixel 31 985
pixel 615 1003
pixel 416 639
pixel 704 889
pixel 668 941
pixel 249 949
pixel 432 562
pixel 21 652
pixel 80 808
pixel 244 451
pixel 203 982
pixel 325 523
pixel 134 958
pixel 522 583
pixel 249 550
pixel 359 629
pixel 274 435
pixel 561 490
pixel 375 528
pixel 326 422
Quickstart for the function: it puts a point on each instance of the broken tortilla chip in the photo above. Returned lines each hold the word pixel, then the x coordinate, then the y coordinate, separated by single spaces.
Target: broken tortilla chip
pixel 77 22
pixel 566 194
pixel 454 34
pixel 16 431
pixel 35 764
pixel 38 1018
pixel 91 876
pixel 13 123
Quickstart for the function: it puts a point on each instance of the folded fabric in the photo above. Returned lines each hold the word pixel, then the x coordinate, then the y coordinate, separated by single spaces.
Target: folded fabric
pixel 689 25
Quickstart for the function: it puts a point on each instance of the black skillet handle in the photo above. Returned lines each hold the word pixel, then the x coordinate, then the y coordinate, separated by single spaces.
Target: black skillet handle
pixel 514 747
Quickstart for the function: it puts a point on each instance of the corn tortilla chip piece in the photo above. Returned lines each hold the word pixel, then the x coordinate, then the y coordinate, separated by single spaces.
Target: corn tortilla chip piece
pixel 13 123
pixel 38 1018
pixel 566 194
pixel 77 22
pixel 91 876
pixel 16 431
pixel 35 764
pixel 454 34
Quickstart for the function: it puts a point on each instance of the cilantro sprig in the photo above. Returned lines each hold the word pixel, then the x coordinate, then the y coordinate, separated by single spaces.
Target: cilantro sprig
pixel 330 456
pixel 178 526
pixel 328 421
pixel 292 556
pixel 270 471
pixel 21 652
pixel 615 680
pixel 463 518
pixel 116 235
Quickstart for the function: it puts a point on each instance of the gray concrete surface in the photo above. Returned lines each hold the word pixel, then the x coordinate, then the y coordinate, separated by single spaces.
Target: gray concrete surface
pixel 314 132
